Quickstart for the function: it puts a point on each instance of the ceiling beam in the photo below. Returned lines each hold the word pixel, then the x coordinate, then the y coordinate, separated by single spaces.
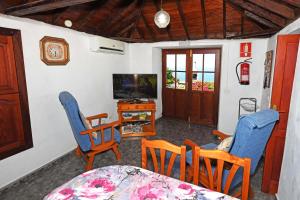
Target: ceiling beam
pixel 167 29
pixel 117 15
pixel 128 20
pixel 242 22
pixel 182 18
pixel 148 27
pixel 125 29
pixel 224 19
pixel 264 33
pixel 295 3
pixel 141 34
pixel 260 12
pixel 260 20
pixel 244 17
pixel 275 7
pixel 138 17
pixel 42 6
pixel 88 16
pixel 203 18
pixel 130 39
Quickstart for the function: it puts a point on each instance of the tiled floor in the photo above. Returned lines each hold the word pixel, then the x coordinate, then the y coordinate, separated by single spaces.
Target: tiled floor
pixel 37 185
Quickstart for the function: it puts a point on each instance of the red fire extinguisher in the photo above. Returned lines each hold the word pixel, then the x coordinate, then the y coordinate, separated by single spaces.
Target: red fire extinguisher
pixel 244 78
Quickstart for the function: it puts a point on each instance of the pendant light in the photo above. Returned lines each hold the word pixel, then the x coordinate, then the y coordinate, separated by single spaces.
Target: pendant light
pixel 162 18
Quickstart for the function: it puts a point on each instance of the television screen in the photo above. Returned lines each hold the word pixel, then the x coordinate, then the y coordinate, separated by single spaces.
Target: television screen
pixel 134 86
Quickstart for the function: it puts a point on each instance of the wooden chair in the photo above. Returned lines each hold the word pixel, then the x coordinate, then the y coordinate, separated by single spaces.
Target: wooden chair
pixel 107 136
pixel 216 169
pixel 166 151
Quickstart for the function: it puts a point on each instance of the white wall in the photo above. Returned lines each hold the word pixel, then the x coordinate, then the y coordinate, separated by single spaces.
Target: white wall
pixel 88 76
pixel 146 58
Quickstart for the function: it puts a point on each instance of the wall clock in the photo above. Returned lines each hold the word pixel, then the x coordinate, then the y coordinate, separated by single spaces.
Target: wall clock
pixel 54 51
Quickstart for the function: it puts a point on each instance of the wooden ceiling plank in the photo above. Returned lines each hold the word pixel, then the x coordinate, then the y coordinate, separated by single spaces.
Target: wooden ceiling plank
pixel 260 12
pixel 295 3
pixel 116 16
pixel 125 29
pixel 131 39
pixel 204 18
pixel 167 29
pixel 260 20
pixel 275 7
pixel 264 33
pixel 148 27
pixel 42 6
pixel 183 21
pixel 242 22
pixel 138 17
pixel 140 32
pixel 224 19
pixel 128 20
pixel 242 12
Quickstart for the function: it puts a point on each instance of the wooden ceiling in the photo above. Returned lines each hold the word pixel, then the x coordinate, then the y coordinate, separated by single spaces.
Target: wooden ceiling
pixel 133 20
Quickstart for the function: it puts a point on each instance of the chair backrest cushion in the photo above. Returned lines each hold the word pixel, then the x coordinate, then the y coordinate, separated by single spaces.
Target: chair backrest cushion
pixel 71 107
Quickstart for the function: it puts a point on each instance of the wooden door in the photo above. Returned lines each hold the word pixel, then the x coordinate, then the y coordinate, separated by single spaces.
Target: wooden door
pixel 175 85
pixel 205 80
pixel 191 80
pixel 15 131
pixel 286 57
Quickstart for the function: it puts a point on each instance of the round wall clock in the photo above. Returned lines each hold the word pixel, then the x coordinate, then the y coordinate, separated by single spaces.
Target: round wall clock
pixel 54 51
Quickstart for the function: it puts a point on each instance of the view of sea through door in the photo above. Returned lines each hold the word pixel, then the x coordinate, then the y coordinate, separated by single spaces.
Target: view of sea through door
pixel 191 81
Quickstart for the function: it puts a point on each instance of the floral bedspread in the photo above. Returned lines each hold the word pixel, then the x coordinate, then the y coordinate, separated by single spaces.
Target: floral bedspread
pixel 128 182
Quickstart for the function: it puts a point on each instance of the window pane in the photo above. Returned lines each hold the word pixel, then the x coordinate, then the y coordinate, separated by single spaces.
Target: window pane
pixel 209 82
pixel 171 62
pixel 197 82
pixel 180 83
pixel 181 62
pixel 197 62
pixel 209 62
pixel 170 82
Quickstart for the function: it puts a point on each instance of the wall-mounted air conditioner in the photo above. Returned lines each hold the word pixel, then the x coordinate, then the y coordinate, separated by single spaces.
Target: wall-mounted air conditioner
pixel 101 44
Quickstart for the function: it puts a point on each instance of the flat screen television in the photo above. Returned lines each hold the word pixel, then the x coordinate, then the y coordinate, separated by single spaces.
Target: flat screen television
pixel 135 86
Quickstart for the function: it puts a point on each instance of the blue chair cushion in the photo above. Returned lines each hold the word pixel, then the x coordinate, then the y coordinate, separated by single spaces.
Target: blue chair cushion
pixel 209 146
pixel 107 136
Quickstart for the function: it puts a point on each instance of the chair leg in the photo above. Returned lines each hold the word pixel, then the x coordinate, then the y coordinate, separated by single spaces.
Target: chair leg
pixel 90 162
pixel 78 152
pixel 251 193
pixel 190 174
pixel 116 151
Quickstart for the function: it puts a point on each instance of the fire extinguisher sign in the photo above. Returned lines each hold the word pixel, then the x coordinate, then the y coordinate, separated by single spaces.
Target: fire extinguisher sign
pixel 245 49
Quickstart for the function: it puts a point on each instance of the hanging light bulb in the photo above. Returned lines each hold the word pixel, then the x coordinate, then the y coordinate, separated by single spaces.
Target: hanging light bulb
pixel 162 18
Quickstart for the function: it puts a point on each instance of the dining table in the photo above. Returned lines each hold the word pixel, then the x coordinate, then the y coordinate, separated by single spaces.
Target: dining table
pixel 130 182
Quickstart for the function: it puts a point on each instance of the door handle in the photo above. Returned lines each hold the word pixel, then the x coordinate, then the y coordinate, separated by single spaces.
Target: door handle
pixel 274 107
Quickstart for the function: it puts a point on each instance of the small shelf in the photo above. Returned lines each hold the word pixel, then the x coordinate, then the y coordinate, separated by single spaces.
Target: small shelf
pixel 136 119
pixel 130 116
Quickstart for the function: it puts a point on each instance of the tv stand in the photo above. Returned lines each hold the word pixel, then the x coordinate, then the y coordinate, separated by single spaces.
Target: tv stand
pixel 137 118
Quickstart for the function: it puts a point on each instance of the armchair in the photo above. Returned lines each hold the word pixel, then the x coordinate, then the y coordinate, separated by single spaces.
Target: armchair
pixel 107 136
pixel 250 138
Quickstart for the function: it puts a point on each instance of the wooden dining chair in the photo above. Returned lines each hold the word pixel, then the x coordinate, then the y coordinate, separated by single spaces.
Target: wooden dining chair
pixel 215 170
pixel 167 151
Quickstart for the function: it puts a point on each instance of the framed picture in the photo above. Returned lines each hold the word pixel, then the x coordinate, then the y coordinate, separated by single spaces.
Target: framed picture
pixel 268 69
pixel 54 51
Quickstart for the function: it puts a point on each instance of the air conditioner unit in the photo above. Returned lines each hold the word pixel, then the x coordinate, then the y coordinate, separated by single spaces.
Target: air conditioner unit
pixel 101 44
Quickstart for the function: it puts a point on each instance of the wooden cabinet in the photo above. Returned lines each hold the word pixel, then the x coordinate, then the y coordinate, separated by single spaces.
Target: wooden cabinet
pixel 137 119
pixel 15 131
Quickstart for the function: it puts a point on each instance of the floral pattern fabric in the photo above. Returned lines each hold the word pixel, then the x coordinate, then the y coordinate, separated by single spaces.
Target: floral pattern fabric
pixel 130 183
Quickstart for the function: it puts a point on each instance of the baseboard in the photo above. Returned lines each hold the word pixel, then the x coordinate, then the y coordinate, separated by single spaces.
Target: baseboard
pixel 34 171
